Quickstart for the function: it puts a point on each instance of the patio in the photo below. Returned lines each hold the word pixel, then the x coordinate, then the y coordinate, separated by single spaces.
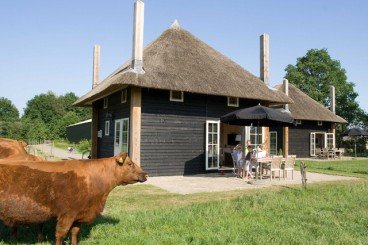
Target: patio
pixel 216 183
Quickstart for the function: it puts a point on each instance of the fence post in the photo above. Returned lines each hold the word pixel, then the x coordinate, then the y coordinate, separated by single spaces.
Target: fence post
pixel 303 172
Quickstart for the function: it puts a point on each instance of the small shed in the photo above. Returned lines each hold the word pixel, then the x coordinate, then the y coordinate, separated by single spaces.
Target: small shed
pixel 79 131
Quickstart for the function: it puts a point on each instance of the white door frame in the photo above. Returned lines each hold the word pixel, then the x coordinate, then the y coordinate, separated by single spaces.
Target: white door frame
pixel 118 147
pixel 217 164
pixel 312 143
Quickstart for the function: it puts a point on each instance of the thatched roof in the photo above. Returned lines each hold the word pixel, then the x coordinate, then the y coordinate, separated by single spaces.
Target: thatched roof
pixel 306 108
pixel 177 60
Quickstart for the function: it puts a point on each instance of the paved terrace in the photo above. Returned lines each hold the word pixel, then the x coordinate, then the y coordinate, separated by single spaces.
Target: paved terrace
pixel 216 182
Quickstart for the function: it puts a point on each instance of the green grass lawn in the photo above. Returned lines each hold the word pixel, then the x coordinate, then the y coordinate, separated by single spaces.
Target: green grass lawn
pixel 357 168
pixel 328 213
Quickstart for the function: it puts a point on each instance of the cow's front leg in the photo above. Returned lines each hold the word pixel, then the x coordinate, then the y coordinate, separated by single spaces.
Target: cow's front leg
pixel 62 227
pixel 74 231
pixel 40 237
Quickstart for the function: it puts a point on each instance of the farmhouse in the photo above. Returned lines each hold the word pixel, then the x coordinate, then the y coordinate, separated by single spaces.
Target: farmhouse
pixel 164 106
pixel 315 124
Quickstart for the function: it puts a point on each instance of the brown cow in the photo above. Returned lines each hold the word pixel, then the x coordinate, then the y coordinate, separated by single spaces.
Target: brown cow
pixel 73 191
pixel 14 150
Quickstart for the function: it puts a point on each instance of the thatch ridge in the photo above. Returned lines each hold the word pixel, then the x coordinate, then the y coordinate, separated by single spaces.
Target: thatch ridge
pixel 177 60
pixel 306 108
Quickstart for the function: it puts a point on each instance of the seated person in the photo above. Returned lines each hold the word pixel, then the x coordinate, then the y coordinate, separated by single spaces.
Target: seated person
pixel 260 152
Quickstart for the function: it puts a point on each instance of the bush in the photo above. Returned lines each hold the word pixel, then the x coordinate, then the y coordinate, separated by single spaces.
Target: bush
pixel 84 145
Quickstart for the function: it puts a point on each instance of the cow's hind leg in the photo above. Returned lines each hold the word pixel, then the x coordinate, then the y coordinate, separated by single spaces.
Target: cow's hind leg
pixel 75 231
pixel 62 227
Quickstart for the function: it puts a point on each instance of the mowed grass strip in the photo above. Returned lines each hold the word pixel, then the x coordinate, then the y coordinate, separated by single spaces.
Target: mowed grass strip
pixel 321 214
pixel 357 168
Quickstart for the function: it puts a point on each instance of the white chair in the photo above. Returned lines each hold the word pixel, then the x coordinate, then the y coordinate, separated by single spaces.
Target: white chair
pixel 289 165
pixel 275 166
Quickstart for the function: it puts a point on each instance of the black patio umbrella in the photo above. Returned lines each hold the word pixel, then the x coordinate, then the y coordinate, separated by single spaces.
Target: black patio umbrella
pixel 258 115
pixel 355 132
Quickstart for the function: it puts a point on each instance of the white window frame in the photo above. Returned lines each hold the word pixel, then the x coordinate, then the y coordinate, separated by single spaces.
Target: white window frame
pixel 118 147
pixel 175 99
pixel 312 144
pixel 107 128
pixel 247 135
pixel 217 164
pixel 231 104
pixel 298 121
pixel 124 96
pixel 328 137
pixel 319 123
pixel 105 102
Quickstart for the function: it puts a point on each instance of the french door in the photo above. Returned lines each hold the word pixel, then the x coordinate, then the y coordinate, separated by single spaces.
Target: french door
pixel 328 142
pixel 212 144
pixel 121 136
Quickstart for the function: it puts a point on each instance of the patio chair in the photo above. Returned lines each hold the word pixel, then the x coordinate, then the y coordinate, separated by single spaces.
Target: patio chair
pixel 275 166
pixel 289 166
pixel 319 152
pixel 324 153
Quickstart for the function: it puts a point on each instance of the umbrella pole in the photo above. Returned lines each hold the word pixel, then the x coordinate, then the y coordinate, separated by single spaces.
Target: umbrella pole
pixel 355 147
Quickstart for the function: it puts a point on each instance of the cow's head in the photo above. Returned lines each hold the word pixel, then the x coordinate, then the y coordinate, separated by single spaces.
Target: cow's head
pixel 128 171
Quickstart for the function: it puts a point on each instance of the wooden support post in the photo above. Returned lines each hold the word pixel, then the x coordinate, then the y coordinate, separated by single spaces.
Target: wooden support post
pixel 135 124
pixel 333 130
pixel 266 139
pixel 94 129
pixel 286 141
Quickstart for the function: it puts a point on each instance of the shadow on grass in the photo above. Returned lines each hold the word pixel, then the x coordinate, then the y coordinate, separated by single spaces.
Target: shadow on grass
pixel 28 234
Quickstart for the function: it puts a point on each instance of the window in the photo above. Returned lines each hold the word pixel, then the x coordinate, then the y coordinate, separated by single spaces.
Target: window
pixel 106 102
pixel 124 96
pixel 177 96
pixel 273 143
pixel 256 136
pixel 298 121
pixel 319 123
pixel 107 128
pixel 233 101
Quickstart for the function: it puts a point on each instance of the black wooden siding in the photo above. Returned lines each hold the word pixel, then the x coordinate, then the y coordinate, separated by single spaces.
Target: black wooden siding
pixel 173 133
pixel 115 110
pixel 299 136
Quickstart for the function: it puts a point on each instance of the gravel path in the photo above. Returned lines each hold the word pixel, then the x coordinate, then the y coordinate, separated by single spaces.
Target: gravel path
pixel 216 182
pixel 57 152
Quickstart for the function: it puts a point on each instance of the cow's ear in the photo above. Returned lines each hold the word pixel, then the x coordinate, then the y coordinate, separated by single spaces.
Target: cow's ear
pixel 120 158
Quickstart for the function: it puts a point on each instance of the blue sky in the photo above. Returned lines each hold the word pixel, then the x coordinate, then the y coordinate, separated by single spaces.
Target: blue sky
pixel 48 45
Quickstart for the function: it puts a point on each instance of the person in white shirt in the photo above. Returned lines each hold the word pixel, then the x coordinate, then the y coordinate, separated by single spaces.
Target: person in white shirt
pixel 261 153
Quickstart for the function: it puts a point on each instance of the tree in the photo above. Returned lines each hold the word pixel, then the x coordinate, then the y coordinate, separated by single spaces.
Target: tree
pixel 60 127
pixel 45 107
pixel 8 111
pixel 68 99
pixel 315 72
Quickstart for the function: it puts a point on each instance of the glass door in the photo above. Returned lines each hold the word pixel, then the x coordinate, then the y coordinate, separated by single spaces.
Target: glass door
pixel 121 136
pixel 212 144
